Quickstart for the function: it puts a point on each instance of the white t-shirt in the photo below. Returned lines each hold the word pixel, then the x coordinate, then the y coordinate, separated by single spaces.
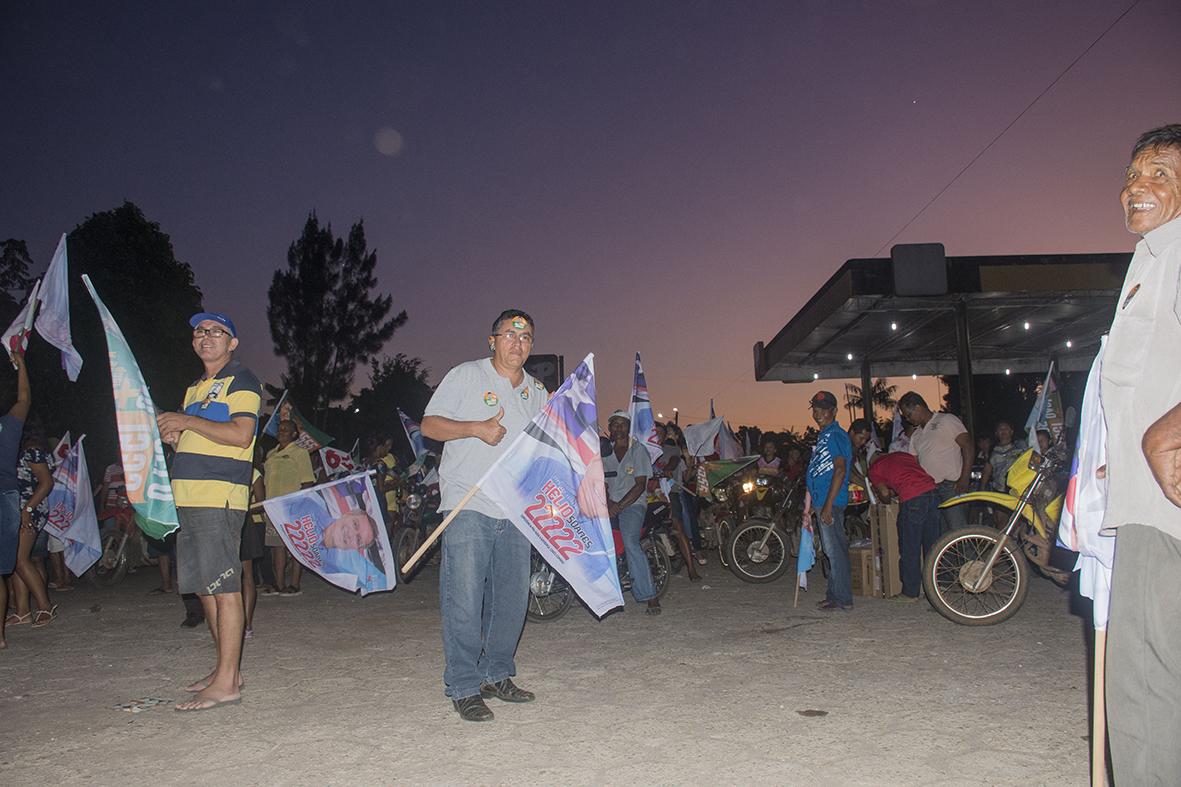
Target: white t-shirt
pixel 935 447
pixel 1141 379
pixel 473 391
pixel 620 474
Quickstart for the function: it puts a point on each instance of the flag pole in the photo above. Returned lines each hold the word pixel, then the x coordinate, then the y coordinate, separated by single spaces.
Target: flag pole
pixel 438 531
pixel 795 602
pixel 1099 714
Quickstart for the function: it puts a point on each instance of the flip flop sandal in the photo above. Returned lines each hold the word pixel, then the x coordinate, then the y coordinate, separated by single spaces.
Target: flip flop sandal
pixel 39 617
pixel 14 619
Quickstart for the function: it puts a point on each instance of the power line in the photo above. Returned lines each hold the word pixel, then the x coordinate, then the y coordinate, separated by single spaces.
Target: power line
pixel 1012 123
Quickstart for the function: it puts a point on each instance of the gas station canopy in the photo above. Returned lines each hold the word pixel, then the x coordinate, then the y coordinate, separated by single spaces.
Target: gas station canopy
pixel 922 313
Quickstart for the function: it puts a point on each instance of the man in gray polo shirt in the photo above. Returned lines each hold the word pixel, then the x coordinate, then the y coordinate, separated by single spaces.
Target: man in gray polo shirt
pixel 626 471
pixel 476 412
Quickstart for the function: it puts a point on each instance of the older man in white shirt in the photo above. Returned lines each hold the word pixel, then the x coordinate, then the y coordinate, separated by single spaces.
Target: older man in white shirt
pixel 1141 388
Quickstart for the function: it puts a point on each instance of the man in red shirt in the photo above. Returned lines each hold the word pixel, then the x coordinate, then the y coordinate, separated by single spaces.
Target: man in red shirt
pixel 899 474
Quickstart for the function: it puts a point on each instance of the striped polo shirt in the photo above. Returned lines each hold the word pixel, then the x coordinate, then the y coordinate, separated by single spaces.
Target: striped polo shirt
pixel 206 474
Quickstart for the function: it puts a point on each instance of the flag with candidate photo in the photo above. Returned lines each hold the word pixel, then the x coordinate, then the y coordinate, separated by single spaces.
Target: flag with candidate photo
pixel 149 489
pixel 1046 413
pixel 550 484
pixel 643 425
pixel 71 518
pixel 1081 520
pixel 60 451
pixel 310 438
pixel 336 530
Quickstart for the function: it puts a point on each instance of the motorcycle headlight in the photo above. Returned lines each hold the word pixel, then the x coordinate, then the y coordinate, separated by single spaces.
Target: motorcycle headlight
pixel 748 486
pixel 414 502
pixel 763 481
pixel 720 494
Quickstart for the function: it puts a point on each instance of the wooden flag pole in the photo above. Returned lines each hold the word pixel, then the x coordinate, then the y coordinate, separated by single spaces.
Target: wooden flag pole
pixel 1099 714
pixel 438 531
pixel 795 602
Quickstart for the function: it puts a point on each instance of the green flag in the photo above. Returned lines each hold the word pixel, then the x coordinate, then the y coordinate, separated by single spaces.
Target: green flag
pixel 149 490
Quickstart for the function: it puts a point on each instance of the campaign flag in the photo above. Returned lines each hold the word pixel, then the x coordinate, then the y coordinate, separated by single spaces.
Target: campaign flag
pixel 310 438
pixel 550 484
pixel 1046 413
pixel 728 447
pixel 336 462
pixel 899 441
pixel 1086 498
pixel 807 555
pixel 60 451
pixel 413 434
pixel 53 321
pixel 71 517
pixel 336 530
pixel 643 428
pixel 16 338
pixel 149 489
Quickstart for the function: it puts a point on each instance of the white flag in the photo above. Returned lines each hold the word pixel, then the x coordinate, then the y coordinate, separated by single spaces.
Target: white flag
pixel 53 322
pixel 16 338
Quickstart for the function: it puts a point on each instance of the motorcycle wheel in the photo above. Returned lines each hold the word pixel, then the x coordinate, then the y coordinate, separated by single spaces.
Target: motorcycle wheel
pixel 659 563
pixel 750 563
pixel 723 530
pixel 406 542
pixel 549 595
pixel 112 564
pixel 957 559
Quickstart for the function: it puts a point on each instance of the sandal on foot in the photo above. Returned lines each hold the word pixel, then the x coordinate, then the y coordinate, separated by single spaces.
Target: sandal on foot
pixel 14 619
pixel 43 617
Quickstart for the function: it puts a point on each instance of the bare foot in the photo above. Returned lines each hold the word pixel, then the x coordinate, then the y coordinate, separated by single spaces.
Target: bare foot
pixel 210 698
pixel 201 685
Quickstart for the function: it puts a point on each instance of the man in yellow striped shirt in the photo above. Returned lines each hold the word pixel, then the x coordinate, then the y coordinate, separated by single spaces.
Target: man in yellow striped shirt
pixel 214 441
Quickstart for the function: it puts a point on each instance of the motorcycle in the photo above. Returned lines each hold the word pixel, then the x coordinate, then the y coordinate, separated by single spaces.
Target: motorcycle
pixel 979 576
pixel 722 483
pixel 123 547
pixel 418 516
pixel 760 546
pixel 550 596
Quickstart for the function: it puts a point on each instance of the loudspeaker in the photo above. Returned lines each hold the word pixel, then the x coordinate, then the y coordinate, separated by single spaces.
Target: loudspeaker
pixel 919 269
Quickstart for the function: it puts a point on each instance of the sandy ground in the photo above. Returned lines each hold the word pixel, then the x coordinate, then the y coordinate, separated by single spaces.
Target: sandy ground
pixel 718 689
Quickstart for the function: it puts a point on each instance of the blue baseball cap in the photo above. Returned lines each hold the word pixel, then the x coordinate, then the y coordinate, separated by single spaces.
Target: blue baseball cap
pixel 220 319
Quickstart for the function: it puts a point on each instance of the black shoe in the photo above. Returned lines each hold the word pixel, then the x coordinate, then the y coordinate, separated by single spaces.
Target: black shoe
pixel 191 623
pixel 506 690
pixel 472 709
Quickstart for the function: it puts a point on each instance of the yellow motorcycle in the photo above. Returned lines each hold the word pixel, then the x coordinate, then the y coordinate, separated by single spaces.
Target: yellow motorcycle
pixel 979 576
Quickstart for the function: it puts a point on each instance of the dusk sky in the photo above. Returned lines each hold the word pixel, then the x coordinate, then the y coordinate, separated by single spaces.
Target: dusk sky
pixel 674 178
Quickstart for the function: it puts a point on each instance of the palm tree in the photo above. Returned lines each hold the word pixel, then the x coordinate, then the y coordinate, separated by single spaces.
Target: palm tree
pixel 881 395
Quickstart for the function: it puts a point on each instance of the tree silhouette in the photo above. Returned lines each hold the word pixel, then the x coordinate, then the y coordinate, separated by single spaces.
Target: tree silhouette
pixel 15 280
pixel 398 382
pixel 881 394
pixel 323 318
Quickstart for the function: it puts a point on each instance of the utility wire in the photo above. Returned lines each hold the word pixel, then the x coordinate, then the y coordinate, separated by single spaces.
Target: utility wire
pixel 1012 123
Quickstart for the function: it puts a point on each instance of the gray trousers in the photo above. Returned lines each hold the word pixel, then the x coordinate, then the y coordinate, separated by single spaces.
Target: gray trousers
pixel 1144 658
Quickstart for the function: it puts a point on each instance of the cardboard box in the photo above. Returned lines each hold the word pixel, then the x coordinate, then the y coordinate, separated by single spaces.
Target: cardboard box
pixel 883 532
pixel 861 566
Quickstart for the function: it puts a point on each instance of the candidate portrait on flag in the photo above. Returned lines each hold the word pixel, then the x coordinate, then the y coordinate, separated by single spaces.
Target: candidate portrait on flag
pixel 336 530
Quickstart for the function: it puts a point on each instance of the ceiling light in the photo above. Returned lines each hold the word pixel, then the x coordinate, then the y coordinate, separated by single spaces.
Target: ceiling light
pixel 893 326
pixel 1008 372
pixel 1027 326
pixel 849 356
pixel 815 376
pixel 1069 344
pixel 914 377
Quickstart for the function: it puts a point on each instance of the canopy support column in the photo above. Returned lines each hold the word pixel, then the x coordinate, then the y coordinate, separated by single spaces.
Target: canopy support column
pixel 964 362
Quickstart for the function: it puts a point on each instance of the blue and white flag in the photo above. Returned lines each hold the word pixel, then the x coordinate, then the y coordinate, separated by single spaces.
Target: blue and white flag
pixel 1086 498
pixel 71 517
pixel 336 530
pixel 1046 413
pixel 550 484
pixel 643 428
pixel 899 440
pixel 807 555
pixel 413 434
pixel 53 321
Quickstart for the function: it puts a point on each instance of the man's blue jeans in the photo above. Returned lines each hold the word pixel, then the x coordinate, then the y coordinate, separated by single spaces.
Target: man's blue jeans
pixel 631 521
pixel 919 528
pixel 836 546
pixel 483 593
pixel 956 517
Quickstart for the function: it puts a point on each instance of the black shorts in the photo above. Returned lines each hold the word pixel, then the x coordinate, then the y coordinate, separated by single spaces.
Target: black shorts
pixel 207 547
pixel 252 546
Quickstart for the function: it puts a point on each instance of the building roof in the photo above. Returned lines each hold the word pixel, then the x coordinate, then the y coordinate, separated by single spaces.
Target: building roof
pixel 1021 311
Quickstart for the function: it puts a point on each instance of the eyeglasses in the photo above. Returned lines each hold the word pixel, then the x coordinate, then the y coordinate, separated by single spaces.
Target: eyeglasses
pixel 216 333
pixel 514 338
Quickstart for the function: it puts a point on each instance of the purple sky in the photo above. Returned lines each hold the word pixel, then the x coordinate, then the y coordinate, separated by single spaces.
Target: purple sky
pixel 673 178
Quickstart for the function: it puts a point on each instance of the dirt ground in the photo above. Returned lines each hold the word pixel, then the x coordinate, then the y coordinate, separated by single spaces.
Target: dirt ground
pixel 730 686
